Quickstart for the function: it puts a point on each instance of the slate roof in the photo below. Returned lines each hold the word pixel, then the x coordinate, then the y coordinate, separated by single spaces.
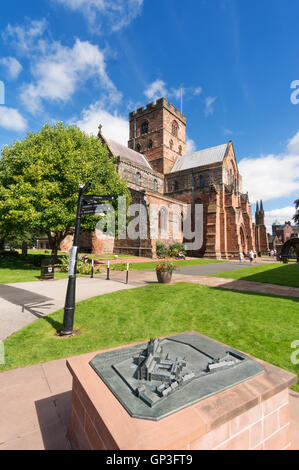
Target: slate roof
pixel 200 158
pixel 120 150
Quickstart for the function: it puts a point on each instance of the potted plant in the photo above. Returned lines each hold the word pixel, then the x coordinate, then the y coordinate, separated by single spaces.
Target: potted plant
pixel 164 271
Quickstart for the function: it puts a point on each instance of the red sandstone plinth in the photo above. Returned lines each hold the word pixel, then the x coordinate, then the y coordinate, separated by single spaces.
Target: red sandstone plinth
pixel 251 415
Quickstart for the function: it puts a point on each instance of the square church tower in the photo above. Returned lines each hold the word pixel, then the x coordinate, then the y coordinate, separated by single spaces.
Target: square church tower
pixel 158 132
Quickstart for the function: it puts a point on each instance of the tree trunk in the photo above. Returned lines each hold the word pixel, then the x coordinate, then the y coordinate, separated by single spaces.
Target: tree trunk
pixel 24 249
pixel 54 243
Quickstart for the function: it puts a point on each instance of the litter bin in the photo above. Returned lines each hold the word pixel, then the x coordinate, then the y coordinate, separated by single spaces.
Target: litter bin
pixel 47 269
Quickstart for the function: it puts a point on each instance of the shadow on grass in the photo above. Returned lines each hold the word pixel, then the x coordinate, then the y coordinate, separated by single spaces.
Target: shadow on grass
pixel 284 275
pixel 230 287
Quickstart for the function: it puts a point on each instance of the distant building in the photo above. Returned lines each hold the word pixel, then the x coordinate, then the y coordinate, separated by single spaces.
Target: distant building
pixel 281 233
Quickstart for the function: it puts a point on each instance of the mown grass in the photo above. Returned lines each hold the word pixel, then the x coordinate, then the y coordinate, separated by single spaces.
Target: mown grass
pixel 280 274
pixel 66 253
pixel 17 270
pixel 261 325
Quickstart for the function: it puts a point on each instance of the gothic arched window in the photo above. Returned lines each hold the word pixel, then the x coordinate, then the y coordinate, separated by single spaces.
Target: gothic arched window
pixel 150 144
pixel 201 181
pixel 144 127
pixel 155 185
pixel 138 148
pixel 162 219
pixel 175 128
pixel 138 178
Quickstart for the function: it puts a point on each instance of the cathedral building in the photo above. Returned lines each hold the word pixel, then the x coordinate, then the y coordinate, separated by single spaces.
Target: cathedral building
pixel 261 236
pixel 160 173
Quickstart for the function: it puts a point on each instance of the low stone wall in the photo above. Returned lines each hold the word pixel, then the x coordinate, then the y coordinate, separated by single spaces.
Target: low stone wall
pixel 263 427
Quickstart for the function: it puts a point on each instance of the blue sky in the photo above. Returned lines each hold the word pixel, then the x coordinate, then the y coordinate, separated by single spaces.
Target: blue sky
pixel 92 61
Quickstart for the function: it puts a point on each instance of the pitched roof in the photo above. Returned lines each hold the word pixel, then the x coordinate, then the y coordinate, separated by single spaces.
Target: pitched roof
pixel 203 157
pixel 120 150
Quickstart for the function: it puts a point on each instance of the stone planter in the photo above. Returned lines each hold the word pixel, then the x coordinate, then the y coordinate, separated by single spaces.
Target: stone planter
pixel 164 277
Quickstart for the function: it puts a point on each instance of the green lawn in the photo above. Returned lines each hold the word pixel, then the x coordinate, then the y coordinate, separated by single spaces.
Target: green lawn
pixel 65 253
pixel 15 270
pixel 281 274
pixel 261 325
pixel 188 262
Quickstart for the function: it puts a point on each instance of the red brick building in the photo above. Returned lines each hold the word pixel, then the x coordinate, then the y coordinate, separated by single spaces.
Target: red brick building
pixel 161 174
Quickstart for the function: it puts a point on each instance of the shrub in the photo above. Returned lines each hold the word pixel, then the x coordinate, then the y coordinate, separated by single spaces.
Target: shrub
pixel 82 266
pixel 64 264
pixel 176 248
pixel 161 250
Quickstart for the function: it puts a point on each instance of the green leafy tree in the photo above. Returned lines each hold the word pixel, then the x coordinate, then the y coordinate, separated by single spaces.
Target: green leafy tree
pixel 39 180
pixel 296 216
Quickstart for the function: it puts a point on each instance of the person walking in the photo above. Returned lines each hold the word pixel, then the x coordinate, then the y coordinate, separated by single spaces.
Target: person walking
pixel 241 256
pixel 251 256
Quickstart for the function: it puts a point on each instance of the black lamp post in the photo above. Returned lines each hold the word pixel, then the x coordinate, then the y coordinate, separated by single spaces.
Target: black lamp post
pixel 69 308
pixel 87 205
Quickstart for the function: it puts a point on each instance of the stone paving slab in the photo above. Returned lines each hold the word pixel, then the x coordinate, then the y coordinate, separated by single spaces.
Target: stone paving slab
pixel 149 277
pixel 35 408
pixel 239 285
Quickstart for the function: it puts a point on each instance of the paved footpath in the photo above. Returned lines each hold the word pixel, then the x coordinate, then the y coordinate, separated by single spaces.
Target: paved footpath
pixel 35 408
pixel 24 302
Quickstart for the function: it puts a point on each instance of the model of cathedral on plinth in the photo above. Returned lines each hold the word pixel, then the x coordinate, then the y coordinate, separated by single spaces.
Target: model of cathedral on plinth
pixel 160 375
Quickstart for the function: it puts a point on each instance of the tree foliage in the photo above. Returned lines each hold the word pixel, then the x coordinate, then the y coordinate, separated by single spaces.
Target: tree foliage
pixel 39 179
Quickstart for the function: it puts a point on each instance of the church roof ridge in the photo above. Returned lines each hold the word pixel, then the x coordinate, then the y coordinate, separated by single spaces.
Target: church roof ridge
pixel 120 150
pixel 202 157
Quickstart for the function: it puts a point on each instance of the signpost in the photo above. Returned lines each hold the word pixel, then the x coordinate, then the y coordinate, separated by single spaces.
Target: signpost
pixel 86 205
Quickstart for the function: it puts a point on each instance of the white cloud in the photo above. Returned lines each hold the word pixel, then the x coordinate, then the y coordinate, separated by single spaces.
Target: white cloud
pixel 59 72
pixel 156 90
pixel 13 67
pixel 114 126
pixel 28 38
pixel 293 144
pixel 116 14
pixel 197 91
pixel 281 215
pixel 209 101
pixel 12 120
pixel 191 146
pixel 272 176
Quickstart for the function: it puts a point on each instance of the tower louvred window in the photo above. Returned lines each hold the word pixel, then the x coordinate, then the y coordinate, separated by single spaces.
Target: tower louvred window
pixel 144 127
pixel 175 128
